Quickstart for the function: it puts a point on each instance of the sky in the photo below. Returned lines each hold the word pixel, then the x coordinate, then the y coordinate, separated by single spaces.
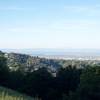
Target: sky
pixel 50 24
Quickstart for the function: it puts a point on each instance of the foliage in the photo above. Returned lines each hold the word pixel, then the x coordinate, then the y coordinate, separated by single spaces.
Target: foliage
pixel 90 83
pixel 89 88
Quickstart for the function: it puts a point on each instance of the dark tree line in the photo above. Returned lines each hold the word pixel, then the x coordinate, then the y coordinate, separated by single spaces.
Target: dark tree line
pixel 70 83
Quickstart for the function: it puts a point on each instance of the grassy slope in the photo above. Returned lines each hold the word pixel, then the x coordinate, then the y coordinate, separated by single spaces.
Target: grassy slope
pixel 7 94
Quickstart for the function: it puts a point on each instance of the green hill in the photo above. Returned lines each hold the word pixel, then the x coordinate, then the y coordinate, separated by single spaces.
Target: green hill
pixel 8 94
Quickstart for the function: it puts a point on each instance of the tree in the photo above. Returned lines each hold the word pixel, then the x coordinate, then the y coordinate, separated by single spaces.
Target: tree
pixel 90 83
pixel 68 79
pixel 38 83
pixel 4 70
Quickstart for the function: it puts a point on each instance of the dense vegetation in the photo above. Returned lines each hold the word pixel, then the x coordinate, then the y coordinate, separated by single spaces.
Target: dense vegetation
pixel 70 82
pixel 29 63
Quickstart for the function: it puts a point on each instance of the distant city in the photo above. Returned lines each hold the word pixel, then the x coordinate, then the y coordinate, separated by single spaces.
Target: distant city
pixel 66 54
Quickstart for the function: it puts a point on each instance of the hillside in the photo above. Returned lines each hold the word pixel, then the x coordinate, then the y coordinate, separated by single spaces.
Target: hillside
pixel 27 75
pixel 29 63
pixel 7 94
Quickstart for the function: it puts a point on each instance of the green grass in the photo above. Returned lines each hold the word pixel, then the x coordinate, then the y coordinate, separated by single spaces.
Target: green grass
pixel 7 94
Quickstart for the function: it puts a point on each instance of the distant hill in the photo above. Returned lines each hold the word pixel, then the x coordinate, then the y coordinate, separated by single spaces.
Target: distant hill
pixel 30 63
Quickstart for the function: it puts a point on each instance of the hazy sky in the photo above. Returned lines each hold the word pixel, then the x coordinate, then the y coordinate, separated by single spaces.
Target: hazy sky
pixel 50 24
